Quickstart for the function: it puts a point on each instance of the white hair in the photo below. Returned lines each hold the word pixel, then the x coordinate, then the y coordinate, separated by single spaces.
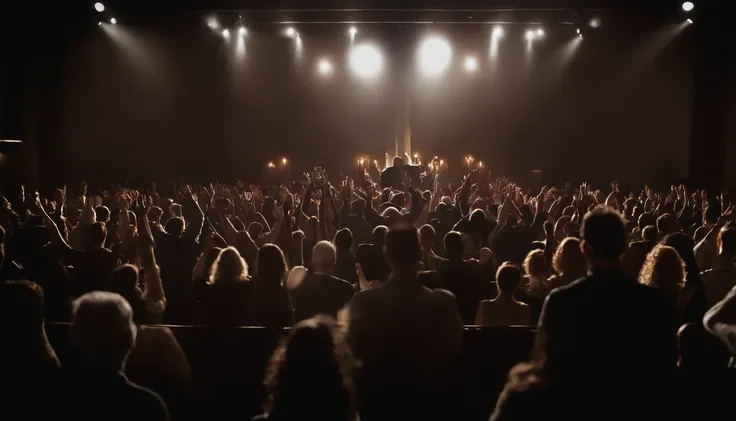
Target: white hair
pixel 102 320
pixel 324 254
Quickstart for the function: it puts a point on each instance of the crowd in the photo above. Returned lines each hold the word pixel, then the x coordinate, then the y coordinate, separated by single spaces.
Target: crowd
pixel 376 275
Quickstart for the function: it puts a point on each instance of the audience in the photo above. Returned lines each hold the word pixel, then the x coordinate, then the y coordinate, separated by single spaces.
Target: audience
pixel 504 310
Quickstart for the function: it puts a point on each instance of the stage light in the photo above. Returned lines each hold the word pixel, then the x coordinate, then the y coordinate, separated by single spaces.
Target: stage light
pixel 497 32
pixel 353 31
pixel 595 23
pixel 688 6
pixel 471 64
pixel 284 161
pixel 290 32
pixel 113 21
pixel 578 31
pixel 242 31
pixel 435 55
pixel 540 32
pixel 690 21
pixel 366 60
pixel 324 67
pixel 226 33
pixel 99 7
pixel 529 35
pixel 99 23
pixel 213 23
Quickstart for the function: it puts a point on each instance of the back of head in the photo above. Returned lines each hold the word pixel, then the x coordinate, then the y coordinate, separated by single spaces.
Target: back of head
pixel 229 267
pixel 357 206
pixel 535 265
pixel 453 243
pixel 343 239
pixel 175 226
pixel 102 214
pixel 379 235
pixel 324 256
pixel 569 260
pixel 102 330
pixel 427 234
pixel 684 246
pixel 646 219
pixel 508 278
pixel 402 247
pixel 663 269
pixel 649 233
pixel 255 229
pixel 604 234
pixel 270 266
pixel 666 224
pixel 712 213
pixel 21 310
pixel 155 214
pixel 97 234
pixel 477 217
pixel 310 374
pixel 124 281
pixel 727 239
pixel 398 161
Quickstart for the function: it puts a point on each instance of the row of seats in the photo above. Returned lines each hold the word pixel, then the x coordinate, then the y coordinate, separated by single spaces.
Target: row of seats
pixel 228 366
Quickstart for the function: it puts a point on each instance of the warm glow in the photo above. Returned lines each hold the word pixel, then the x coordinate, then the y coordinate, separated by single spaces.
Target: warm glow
pixel 688 6
pixel 226 33
pixel 99 7
pixel 435 55
pixel 480 164
pixel 242 31
pixel 113 21
pixel 366 60
pixel 324 67
pixel 540 32
pixel 290 32
pixel 213 23
pixel 529 35
pixel 497 32
pixel 471 64
pixel 352 31
pixel 283 161
pixel 271 164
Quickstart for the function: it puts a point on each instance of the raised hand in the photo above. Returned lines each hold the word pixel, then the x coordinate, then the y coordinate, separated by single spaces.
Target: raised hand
pixel 726 216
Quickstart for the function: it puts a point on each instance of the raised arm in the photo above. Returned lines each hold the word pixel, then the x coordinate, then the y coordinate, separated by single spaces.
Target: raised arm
pixel 154 291
pixel 56 236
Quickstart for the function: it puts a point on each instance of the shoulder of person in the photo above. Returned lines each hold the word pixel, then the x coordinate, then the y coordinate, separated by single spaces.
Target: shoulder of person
pixel 442 296
pixel 150 402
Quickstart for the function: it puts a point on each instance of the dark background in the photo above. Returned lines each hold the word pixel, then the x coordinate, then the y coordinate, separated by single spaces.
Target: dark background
pixel 160 96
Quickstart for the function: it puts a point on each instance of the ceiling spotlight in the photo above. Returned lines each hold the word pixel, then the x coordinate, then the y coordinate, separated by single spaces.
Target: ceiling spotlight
pixel 497 32
pixel 226 33
pixel 353 31
pixel 435 55
pixel 688 6
pixel 213 23
pixel 242 31
pixel 690 21
pixel 113 21
pixel 101 7
pixel 366 60
pixel 324 67
pixel 290 32
pixel 595 23
pixel 540 32
pixel 529 35
pixel 99 23
pixel 578 31
pixel 471 64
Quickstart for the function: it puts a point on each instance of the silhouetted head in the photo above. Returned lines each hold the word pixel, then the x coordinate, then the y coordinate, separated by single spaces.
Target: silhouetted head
pixel 102 330
pixel 508 278
pixel 21 312
pixel 477 217
pixel 310 375
pixel 427 236
pixel 379 235
pixel 155 214
pixel 453 243
pixel 398 161
pixel 357 206
pixel 402 249
pixel 96 235
pixel 270 266
pixel 684 245
pixel 229 267
pixel 604 236
pixel 102 214
pixel 666 224
pixel 255 229
pixel 535 266
pixel 569 261
pixel 343 239
pixel 646 219
pixel 727 241
pixel 712 213
pixel 663 269
pixel 649 233
pixel 175 226
pixel 324 257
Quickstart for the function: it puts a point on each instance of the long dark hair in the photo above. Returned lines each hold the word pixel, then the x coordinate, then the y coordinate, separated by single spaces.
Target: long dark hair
pixel 271 267
pixel 310 375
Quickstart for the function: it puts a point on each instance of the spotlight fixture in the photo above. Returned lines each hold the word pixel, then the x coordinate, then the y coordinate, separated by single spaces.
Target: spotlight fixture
pixel 529 35
pixel 290 32
pixel 99 23
pixel 226 33
pixel 690 21
pixel 242 31
pixel 366 60
pixel 213 23
pixel 113 21
pixel 497 32
pixel 595 23
pixel 101 7
pixel 688 6
pixel 540 32
pixel 352 31
pixel 578 31
pixel 435 55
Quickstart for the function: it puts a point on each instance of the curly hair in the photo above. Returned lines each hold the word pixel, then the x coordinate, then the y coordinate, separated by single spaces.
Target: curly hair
pixel 535 268
pixel 569 260
pixel 310 375
pixel 663 269
pixel 228 267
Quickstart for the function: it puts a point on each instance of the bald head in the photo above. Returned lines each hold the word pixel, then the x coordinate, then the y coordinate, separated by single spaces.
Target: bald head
pixel 324 256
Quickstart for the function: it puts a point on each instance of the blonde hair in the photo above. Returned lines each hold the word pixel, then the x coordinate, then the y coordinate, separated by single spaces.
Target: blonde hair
pixel 228 267
pixel 569 259
pixel 663 269
pixel 535 268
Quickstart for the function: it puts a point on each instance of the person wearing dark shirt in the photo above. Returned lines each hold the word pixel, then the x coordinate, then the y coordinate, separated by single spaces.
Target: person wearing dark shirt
pixel 223 296
pixel 461 277
pixel 393 176
pixel 371 258
pixel 345 265
pixel 270 305
pixel 103 334
pixel 605 330
pixel 319 292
